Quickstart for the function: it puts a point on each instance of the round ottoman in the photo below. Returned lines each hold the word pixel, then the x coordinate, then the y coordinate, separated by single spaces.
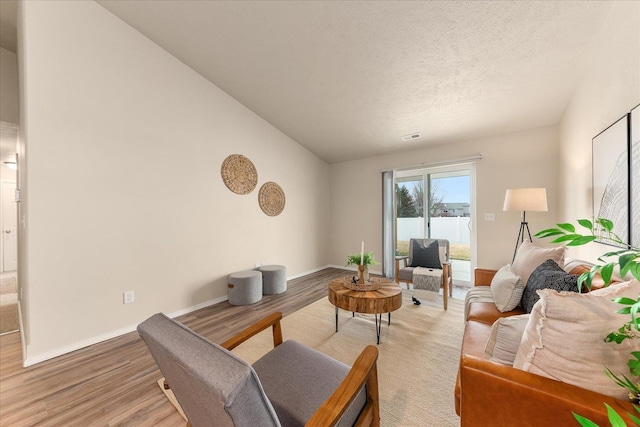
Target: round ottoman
pixel 274 279
pixel 245 287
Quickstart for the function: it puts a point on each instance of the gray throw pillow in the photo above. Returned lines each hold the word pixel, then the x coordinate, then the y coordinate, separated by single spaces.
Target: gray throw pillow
pixel 547 275
pixel 426 256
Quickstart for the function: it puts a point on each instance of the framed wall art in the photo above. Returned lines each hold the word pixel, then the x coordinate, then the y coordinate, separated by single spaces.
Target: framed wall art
pixel 611 178
pixel 634 154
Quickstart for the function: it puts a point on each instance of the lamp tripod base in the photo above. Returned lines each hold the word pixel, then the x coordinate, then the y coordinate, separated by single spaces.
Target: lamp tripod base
pixel 523 225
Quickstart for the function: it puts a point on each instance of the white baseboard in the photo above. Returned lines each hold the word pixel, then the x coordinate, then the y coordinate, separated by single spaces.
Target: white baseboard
pixel 315 270
pixel 32 360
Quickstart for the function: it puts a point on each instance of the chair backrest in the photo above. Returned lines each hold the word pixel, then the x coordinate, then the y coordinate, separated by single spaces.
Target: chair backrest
pixel 212 385
pixel 443 245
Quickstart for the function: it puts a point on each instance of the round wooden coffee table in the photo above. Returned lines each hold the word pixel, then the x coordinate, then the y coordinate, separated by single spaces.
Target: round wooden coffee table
pixel 386 299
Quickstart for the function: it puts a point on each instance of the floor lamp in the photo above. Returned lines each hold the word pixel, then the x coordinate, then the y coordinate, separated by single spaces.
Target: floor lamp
pixel 525 199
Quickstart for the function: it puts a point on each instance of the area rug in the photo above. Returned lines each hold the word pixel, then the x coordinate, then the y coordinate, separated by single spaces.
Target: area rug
pixel 8 305
pixel 418 355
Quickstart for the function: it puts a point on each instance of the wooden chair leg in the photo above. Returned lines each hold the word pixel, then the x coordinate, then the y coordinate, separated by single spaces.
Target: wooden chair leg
pixel 445 291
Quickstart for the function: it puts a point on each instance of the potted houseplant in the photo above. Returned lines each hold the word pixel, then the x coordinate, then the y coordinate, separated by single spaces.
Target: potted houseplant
pixel 627 259
pixel 366 259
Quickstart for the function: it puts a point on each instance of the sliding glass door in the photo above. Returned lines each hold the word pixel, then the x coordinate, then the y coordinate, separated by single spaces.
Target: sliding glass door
pixel 438 203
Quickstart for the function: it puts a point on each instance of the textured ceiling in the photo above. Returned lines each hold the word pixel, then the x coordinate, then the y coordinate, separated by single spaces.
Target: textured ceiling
pixel 348 79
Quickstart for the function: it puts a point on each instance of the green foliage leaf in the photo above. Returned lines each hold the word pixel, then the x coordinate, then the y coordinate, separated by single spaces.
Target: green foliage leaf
pixel 584 422
pixel 549 232
pixel 566 237
pixel 614 418
pixel 569 227
pixel 586 223
pixel 634 365
pixel 626 259
pixel 605 223
pixel 624 301
pixel 583 240
pixel 635 270
pixel 607 272
pixel 615 337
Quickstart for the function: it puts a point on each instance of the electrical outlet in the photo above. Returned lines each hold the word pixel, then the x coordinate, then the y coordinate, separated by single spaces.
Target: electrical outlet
pixel 489 217
pixel 128 297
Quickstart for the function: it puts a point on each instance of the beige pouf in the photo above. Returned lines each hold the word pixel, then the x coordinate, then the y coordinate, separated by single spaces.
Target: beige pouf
pixel 245 287
pixel 274 279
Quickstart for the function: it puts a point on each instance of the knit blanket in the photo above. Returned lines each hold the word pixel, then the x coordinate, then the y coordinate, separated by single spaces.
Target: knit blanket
pixel 427 282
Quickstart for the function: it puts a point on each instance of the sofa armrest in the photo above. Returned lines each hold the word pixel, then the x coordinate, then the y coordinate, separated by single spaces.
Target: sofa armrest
pixel 483 276
pixel 494 394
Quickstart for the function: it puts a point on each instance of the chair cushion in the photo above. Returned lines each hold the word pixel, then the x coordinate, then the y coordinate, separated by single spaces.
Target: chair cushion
pixel 405 274
pixel 427 255
pixel 298 379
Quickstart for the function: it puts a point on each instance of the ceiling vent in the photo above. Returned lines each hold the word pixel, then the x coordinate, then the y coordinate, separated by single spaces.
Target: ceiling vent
pixel 412 137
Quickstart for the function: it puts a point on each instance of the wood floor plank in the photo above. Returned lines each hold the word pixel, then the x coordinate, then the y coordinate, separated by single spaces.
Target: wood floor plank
pixel 113 383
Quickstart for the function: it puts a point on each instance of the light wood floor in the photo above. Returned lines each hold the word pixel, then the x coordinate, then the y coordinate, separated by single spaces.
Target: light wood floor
pixel 114 383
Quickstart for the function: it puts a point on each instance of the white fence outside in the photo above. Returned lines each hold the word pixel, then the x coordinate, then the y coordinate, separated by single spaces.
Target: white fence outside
pixel 454 229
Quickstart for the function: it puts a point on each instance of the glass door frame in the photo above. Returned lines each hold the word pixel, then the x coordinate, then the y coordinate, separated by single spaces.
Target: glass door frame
pixel 425 174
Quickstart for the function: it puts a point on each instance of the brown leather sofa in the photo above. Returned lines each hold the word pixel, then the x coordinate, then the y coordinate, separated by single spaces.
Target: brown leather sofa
pixel 491 394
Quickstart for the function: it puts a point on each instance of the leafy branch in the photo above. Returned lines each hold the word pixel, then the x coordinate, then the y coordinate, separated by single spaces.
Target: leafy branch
pixel 354 259
pixel 628 258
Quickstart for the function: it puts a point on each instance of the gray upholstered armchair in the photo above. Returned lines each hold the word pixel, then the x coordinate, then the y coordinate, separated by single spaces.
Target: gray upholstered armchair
pixel 292 385
pixel 419 257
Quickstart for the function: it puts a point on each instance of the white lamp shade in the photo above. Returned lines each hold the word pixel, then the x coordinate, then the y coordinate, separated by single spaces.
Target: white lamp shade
pixel 526 199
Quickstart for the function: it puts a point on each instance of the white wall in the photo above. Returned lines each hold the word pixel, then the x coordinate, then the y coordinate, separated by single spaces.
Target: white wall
pixel 8 87
pixel 608 88
pixel 124 145
pixel 522 159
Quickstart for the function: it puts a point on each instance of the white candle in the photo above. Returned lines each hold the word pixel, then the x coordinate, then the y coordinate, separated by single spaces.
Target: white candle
pixel 362 254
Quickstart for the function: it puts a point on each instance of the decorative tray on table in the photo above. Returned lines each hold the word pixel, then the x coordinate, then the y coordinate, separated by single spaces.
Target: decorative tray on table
pixel 372 285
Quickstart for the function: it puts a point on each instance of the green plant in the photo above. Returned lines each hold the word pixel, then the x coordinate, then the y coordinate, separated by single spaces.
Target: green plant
pixel 354 259
pixel 628 260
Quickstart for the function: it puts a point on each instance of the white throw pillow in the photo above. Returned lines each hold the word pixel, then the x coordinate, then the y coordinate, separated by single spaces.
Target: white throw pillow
pixel 564 338
pixel 506 289
pixel 530 256
pixel 503 343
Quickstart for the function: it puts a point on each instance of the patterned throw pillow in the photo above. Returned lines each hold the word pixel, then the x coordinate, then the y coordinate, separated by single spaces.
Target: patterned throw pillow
pixel 547 275
pixel 426 256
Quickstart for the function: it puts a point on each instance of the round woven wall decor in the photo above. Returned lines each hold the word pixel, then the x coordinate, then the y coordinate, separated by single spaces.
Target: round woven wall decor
pixel 239 174
pixel 271 199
